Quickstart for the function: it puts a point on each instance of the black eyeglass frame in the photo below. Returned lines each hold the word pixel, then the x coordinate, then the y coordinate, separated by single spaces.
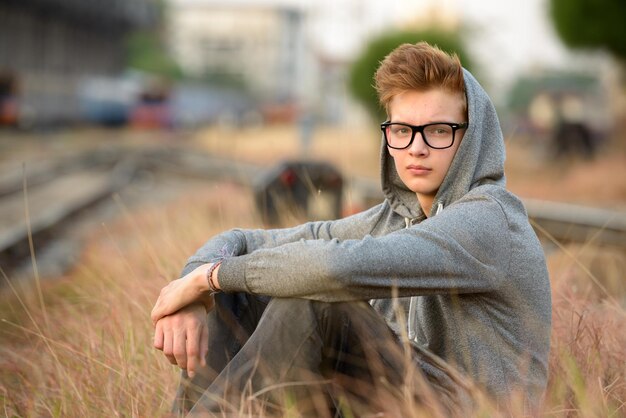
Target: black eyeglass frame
pixel 414 129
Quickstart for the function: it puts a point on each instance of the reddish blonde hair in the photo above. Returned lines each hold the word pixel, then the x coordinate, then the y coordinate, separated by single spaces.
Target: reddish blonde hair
pixel 420 67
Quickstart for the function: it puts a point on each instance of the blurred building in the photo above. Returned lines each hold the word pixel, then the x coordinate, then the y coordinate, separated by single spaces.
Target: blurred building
pixel 48 46
pixel 257 46
pixel 565 111
pixel 288 52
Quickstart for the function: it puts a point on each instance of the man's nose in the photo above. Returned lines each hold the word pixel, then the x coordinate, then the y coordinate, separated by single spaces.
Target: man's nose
pixel 418 146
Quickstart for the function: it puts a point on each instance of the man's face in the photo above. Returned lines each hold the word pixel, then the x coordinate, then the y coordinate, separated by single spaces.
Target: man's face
pixel 421 168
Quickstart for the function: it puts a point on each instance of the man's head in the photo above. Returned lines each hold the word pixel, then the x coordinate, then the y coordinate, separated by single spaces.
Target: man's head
pixel 423 91
pixel 418 67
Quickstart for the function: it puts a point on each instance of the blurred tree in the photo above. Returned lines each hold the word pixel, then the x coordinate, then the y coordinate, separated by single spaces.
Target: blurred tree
pixel 361 78
pixel 225 80
pixel 146 52
pixel 596 24
pixel 591 24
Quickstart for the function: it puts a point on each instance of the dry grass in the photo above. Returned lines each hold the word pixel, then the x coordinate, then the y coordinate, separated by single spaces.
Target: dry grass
pixel 86 351
pixel 600 181
pixel 587 362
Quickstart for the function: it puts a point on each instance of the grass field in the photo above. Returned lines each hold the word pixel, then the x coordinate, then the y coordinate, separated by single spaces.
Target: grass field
pixel 81 345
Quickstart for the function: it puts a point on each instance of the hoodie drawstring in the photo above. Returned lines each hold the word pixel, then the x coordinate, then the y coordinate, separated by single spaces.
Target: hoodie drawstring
pixel 413 304
pixel 439 208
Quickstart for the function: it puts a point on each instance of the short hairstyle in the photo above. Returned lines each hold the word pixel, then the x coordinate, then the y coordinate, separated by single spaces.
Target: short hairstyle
pixel 420 67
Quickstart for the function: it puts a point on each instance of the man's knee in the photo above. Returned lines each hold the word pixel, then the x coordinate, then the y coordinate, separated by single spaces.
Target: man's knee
pixel 295 308
pixel 305 313
pixel 289 304
pixel 298 304
pixel 291 310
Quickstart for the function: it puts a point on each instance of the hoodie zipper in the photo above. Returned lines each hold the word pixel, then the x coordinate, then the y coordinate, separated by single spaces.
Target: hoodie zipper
pixel 413 303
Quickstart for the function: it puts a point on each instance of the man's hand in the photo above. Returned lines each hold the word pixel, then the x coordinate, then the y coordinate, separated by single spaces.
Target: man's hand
pixel 184 337
pixel 179 293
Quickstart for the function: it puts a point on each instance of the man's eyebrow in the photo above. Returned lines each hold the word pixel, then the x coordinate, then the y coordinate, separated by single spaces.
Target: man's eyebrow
pixel 422 124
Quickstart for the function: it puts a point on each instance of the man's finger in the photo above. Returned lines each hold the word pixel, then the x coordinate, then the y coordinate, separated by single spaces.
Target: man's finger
pixel 193 349
pixel 157 311
pixel 204 343
pixel 168 344
pixel 171 359
pixel 179 348
pixel 158 336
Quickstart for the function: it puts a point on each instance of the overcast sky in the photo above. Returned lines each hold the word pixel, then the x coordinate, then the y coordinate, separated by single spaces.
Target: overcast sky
pixel 514 36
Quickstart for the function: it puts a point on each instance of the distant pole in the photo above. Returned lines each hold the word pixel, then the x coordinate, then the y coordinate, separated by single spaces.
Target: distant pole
pixel 306 126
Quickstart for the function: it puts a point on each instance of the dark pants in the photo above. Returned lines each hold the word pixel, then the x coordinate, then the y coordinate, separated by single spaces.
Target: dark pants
pixel 314 357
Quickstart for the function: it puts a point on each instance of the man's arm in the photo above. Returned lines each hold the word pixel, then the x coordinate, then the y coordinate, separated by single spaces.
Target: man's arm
pixel 238 242
pixel 465 249
pixel 179 332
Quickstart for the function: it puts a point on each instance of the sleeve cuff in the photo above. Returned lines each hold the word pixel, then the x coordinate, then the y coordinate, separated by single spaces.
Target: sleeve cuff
pixel 232 275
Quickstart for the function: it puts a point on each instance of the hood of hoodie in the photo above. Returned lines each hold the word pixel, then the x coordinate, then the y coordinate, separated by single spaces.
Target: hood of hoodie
pixel 479 159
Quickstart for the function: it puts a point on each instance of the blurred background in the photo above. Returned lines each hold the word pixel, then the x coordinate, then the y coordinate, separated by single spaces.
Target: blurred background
pixel 176 64
pixel 133 130
pixel 118 97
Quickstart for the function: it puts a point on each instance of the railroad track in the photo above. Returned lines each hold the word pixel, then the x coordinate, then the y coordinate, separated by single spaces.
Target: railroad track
pixel 561 222
pixel 61 190
pixel 39 203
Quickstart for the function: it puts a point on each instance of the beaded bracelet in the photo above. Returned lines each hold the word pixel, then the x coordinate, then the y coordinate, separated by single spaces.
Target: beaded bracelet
pixel 209 279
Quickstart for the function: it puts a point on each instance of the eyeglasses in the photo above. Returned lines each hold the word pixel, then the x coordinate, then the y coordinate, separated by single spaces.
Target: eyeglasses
pixel 438 135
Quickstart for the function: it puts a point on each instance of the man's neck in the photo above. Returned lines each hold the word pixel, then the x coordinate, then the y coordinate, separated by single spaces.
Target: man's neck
pixel 426 202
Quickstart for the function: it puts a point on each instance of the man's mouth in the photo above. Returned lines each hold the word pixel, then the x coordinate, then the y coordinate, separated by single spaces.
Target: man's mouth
pixel 418 169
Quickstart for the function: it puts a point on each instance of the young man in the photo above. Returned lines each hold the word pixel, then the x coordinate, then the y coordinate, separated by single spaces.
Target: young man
pixel 447 265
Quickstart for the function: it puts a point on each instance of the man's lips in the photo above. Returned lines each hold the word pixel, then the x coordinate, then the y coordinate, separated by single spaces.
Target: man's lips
pixel 418 169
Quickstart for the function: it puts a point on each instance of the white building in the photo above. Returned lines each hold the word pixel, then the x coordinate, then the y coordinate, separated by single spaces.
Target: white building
pixel 301 49
pixel 281 50
pixel 259 44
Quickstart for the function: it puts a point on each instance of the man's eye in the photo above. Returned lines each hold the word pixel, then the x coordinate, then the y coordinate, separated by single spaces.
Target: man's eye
pixel 439 130
pixel 402 130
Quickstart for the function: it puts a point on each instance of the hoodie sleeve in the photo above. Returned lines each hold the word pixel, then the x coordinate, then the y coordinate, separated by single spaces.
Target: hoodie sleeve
pixel 465 249
pixel 239 242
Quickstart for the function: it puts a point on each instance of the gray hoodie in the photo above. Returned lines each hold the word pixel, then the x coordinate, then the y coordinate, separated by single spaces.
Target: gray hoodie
pixel 471 280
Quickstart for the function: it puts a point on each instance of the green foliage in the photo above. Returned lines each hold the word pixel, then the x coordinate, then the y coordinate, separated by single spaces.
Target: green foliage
pixel 361 81
pixel 591 24
pixel 145 52
pixel 225 80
